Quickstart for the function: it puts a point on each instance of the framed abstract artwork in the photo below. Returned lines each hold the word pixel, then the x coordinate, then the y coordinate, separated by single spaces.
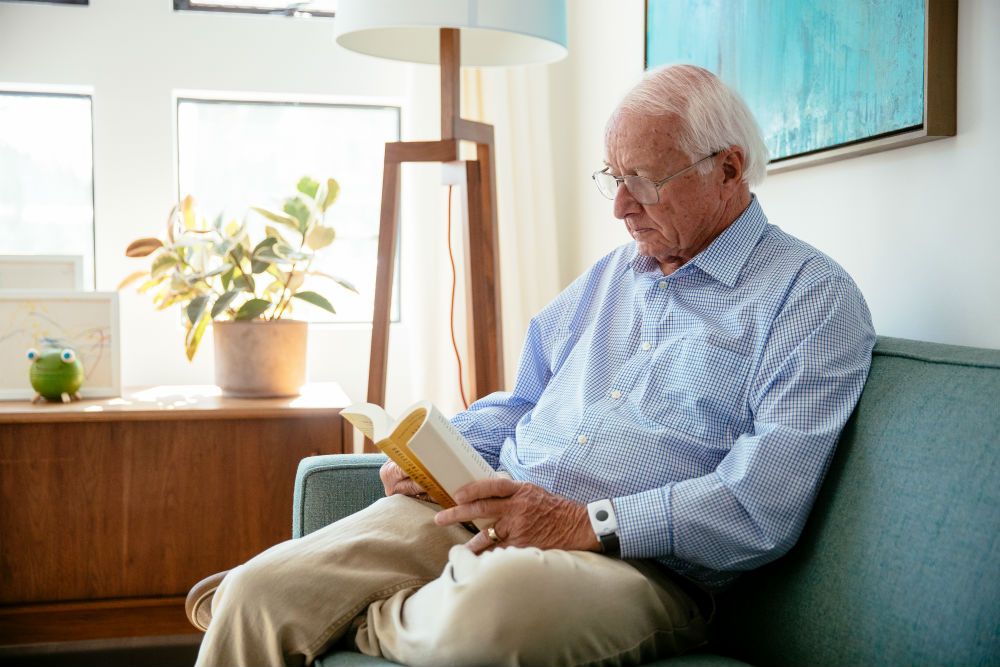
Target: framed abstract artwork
pixel 826 79
pixel 87 322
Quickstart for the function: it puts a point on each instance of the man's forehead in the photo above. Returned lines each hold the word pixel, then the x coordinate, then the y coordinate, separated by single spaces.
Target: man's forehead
pixel 641 140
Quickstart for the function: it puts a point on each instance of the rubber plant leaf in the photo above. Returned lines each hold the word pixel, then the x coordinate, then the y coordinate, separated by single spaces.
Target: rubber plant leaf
pixel 188 212
pixel 320 237
pixel 143 247
pixel 307 186
pixel 223 302
pixel 316 300
pixel 273 233
pixel 332 191
pixel 194 336
pixel 267 258
pixel 262 256
pixel 292 281
pixel 299 210
pixel 280 218
pixel 343 282
pixel 131 278
pixel 151 283
pixel 252 309
pixel 245 282
pixel 162 263
pixel 290 253
pixel 196 308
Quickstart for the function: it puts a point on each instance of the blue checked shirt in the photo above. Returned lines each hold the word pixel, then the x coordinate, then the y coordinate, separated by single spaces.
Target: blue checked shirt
pixel 706 404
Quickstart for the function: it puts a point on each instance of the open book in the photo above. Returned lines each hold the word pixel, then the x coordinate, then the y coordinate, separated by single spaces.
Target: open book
pixel 426 446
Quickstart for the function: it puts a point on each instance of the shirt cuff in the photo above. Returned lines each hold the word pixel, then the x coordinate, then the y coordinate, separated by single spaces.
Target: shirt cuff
pixel 644 526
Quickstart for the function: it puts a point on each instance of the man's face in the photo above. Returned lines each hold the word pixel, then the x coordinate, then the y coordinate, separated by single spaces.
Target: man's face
pixel 690 213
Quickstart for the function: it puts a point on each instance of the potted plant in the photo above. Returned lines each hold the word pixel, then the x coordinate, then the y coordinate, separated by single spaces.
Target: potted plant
pixel 217 274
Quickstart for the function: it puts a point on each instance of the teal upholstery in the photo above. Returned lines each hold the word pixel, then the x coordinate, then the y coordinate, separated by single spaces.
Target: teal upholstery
pixel 899 563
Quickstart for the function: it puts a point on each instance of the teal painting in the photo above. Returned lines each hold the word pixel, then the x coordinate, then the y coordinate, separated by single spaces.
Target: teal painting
pixel 817 74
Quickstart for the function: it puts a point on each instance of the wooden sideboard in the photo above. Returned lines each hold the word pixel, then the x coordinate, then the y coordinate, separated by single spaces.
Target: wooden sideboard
pixel 111 509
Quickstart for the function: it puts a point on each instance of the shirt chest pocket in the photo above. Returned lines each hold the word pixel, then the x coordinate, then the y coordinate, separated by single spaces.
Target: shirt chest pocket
pixel 698 385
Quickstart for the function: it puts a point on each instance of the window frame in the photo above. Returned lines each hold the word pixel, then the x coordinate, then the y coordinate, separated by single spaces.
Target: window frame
pixel 82 3
pixel 186 6
pixel 230 97
pixel 87 93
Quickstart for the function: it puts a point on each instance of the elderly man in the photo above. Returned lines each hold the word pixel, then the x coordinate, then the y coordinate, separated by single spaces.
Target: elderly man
pixel 674 413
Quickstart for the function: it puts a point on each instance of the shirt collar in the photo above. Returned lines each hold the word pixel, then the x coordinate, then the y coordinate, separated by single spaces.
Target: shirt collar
pixel 725 257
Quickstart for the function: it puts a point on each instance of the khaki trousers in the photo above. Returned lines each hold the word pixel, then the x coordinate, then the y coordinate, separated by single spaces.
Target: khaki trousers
pixel 389 582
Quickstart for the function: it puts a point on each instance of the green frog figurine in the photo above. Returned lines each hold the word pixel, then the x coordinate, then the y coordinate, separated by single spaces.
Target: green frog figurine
pixel 56 374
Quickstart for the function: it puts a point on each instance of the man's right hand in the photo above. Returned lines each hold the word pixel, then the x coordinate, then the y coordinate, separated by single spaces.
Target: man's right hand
pixel 396 481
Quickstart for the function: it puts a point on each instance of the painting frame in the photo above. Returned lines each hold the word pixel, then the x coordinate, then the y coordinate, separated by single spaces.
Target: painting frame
pixel 88 322
pixel 66 270
pixel 940 70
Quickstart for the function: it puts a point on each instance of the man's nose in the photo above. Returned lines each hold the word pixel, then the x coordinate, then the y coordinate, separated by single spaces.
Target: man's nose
pixel 625 203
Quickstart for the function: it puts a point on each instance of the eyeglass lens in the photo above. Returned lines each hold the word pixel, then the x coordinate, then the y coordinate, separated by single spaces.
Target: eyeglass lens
pixel 642 189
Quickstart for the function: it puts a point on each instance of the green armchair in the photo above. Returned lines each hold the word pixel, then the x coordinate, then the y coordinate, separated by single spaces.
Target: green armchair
pixel 899 563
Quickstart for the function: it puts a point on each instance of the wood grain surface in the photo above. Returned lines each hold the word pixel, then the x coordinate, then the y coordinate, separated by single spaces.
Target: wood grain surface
pixel 125 513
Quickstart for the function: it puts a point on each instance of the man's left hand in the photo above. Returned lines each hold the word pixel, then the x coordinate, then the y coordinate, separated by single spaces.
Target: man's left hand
pixel 525 515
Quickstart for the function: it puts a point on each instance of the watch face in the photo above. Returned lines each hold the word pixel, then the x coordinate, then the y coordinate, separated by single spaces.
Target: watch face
pixel 602 517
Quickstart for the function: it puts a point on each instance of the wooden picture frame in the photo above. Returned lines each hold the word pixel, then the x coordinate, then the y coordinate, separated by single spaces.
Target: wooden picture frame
pixel 762 67
pixel 87 322
pixel 23 272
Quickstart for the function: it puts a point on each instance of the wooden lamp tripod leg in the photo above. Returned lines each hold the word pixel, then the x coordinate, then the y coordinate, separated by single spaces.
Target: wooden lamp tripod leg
pixel 481 250
pixel 384 271
pixel 482 270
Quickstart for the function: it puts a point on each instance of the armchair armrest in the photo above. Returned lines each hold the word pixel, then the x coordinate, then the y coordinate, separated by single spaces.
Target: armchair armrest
pixel 328 488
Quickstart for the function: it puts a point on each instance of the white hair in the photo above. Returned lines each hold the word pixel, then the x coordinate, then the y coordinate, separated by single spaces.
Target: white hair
pixel 713 116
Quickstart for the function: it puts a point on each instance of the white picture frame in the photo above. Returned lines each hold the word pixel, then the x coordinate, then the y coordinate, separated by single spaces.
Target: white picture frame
pixel 87 322
pixel 24 272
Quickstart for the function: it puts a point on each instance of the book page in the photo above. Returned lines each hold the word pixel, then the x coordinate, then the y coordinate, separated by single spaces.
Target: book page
pixel 397 448
pixel 370 419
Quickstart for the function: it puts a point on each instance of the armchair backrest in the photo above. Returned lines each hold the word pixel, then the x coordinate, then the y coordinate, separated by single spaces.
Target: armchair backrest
pixel 899 563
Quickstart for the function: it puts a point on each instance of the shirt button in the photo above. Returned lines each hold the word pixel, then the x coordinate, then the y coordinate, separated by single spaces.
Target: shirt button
pixel 582 439
pixel 662 284
pixel 616 394
pixel 646 346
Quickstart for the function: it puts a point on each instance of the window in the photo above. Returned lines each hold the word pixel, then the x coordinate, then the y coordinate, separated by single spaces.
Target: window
pixel 55 2
pixel 236 154
pixel 47 176
pixel 325 8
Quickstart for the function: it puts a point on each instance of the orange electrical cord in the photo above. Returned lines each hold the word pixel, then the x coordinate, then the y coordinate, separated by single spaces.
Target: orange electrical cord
pixel 454 281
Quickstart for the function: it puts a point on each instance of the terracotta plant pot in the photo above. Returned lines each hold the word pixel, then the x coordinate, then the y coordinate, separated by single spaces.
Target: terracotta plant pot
pixel 259 358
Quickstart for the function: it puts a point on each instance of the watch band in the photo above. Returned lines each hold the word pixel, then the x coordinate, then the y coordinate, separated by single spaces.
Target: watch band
pixel 610 546
pixel 605 525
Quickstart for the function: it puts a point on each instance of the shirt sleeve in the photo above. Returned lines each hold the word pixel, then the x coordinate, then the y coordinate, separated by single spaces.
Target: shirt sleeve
pixel 488 422
pixel 752 507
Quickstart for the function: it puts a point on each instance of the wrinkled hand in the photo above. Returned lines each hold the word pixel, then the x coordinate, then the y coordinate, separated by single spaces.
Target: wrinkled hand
pixel 526 516
pixel 396 481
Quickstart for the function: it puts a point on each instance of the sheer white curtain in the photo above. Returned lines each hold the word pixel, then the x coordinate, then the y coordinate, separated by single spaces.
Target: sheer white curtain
pixel 516 102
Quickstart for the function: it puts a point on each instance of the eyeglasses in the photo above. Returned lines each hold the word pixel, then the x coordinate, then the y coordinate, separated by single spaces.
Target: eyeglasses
pixel 645 191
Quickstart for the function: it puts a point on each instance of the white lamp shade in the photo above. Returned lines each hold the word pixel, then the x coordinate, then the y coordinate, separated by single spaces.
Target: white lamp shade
pixel 493 32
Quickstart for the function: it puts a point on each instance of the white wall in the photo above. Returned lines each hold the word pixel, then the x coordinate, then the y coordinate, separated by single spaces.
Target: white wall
pixel 917 227
pixel 133 55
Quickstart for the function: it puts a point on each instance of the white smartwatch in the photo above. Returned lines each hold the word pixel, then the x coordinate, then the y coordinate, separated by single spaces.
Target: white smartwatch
pixel 605 525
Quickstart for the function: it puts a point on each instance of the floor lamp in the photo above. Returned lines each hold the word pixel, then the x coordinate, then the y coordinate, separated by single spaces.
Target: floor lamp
pixel 451 33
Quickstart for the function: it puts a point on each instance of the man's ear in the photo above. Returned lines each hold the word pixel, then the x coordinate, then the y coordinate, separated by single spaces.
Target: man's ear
pixel 732 169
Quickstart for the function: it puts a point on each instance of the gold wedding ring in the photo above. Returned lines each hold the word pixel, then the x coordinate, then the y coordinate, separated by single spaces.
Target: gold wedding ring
pixel 492 533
